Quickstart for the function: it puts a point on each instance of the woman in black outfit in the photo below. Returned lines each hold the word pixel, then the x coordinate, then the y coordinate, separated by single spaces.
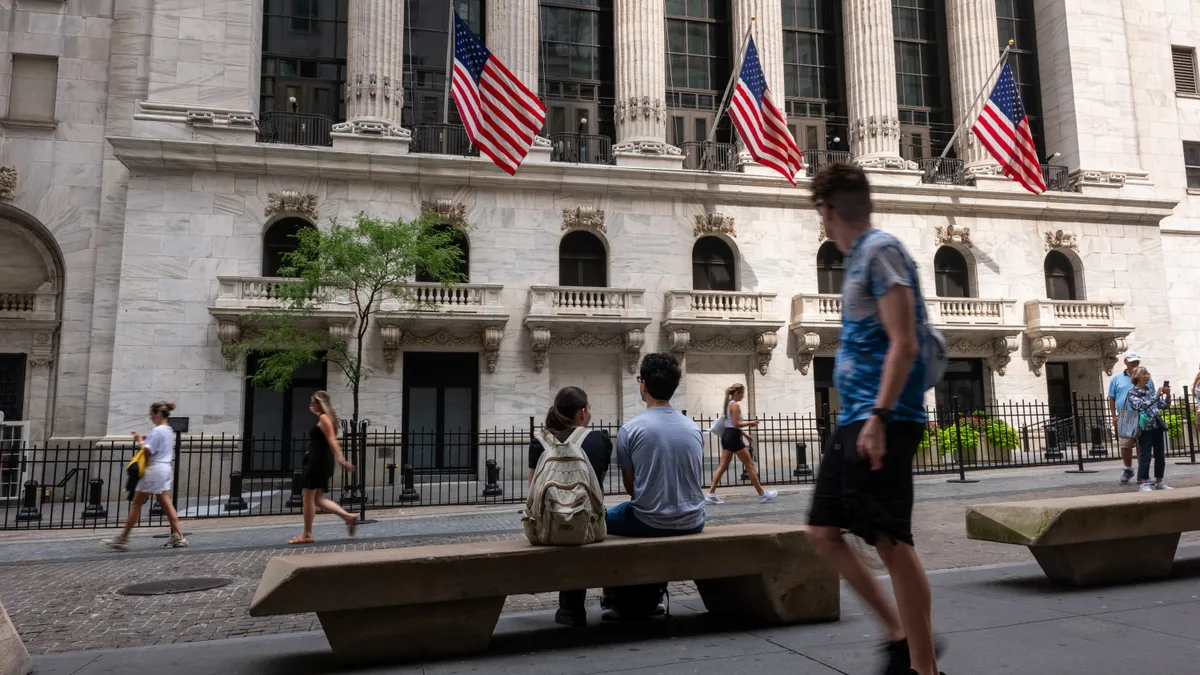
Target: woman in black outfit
pixel 570 410
pixel 324 450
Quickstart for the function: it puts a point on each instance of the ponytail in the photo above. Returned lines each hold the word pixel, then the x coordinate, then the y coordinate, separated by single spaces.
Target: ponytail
pixel 729 392
pixel 567 404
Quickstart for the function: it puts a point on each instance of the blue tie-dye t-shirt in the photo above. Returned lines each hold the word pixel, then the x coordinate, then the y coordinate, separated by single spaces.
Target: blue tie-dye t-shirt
pixel 877 261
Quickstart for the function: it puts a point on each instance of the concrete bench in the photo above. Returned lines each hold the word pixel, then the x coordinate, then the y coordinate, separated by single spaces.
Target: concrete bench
pixel 14 659
pixel 435 601
pixel 1099 539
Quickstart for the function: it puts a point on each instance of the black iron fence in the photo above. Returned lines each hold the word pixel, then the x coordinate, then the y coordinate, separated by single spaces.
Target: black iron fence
pixel 815 160
pixel 441 139
pixel 709 156
pixel 295 128
pixel 83 485
pixel 942 171
pixel 1057 178
pixel 581 148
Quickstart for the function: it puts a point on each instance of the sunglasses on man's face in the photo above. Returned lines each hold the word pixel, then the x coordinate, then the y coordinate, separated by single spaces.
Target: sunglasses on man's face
pixel 639 379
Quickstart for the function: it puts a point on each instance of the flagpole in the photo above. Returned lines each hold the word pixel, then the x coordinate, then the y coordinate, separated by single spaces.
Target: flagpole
pixel 987 85
pixel 449 64
pixel 737 66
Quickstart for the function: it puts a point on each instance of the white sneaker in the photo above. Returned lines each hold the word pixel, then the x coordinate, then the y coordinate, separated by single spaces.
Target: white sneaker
pixel 175 542
pixel 713 499
pixel 768 496
pixel 1163 486
pixel 116 544
pixel 1148 486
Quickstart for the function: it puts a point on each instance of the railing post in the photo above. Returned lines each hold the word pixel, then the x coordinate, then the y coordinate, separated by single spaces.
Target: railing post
pixel 962 460
pixel 296 498
pixel 235 501
pixel 492 487
pixel 409 493
pixel 1191 431
pixel 30 510
pixel 1077 428
pixel 802 468
pixel 95 507
pixel 362 470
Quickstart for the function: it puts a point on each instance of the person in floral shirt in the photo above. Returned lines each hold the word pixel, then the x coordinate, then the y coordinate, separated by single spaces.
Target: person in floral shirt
pixel 1149 405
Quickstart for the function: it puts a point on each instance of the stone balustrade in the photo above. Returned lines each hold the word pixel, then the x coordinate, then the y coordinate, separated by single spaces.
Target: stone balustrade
pixel 817 309
pixel 579 301
pixel 1074 314
pixel 454 298
pixel 718 305
pixel 27 304
pixel 252 293
pixel 959 312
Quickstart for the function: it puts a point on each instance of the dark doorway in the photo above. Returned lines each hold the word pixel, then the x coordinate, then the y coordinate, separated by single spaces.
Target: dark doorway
pixel 1060 277
pixel 951 274
pixel 441 409
pixel 281 239
pixel 1058 389
pixel 278 422
pixel 964 381
pixel 582 260
pixel 712 265
pixel 12 386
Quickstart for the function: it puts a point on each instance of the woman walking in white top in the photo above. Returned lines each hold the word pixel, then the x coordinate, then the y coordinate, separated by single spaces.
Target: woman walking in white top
pixel 160 446
pixel 733 442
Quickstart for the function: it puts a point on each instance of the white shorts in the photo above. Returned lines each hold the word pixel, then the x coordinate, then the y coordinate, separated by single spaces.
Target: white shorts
pixel 156 480
pixel 1127 443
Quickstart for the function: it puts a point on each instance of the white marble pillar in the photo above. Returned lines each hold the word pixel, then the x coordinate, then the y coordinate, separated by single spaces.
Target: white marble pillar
pixel 375 67
pixel 514 38
pixel 768 39
pixel 974 52
pixel 642 85
pixel 871 84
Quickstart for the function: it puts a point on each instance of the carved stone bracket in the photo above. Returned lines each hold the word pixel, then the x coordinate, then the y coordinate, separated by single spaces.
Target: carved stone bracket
pixel 764 346
pixel 539 337
pixel 806 350
pixel 445 210
pixel 681 341
pixel 629 344
pixel 1040 349
pixel 635 339
pixel 229 333
pixel 1110 353
pixel 586 217
pixel 761 345
pixel 291 201
pixel 715 223
pixel 1002 350
pixel 1061 239
pixel 8 182
pixel 492 336
pixel 392 336
pixel 395 338
pixel 944 236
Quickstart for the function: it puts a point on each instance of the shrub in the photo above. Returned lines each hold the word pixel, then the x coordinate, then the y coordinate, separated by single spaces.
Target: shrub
pixel 1002 435
pixel 947 438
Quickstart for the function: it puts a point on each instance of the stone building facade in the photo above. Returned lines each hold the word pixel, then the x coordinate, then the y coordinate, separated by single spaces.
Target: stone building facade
pixel 152 149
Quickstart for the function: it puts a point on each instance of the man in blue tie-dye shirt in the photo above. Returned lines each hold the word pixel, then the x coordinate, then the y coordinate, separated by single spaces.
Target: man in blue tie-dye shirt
pixel 865 484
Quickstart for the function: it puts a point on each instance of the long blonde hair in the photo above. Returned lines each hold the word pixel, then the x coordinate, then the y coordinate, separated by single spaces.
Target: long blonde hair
pixel 729 392
pixel 326 406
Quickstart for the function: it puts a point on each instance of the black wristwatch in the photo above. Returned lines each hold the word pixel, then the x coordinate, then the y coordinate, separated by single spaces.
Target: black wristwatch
pixel 883 414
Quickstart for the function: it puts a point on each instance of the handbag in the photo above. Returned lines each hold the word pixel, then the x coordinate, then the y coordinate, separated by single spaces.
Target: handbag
pixel 718 426
pixel 1128 422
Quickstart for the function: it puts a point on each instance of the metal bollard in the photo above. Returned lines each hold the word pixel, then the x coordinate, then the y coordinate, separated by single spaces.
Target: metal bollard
pixel 1053 451
pixel 29 503
pixel 492 487
pixel 235 501
pixel 296 498
pixel 391 468
pixel 1098 449
pixel 802 468
pixel 409 493
pixel 95 507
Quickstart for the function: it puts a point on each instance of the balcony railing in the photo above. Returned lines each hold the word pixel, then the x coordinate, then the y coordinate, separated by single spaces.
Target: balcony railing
pixel 295 128
pixel 948 171
pixel 16 302
pixel 1057 178
pixel 581 148
pixel 709 156
pixel 28 305
pixel 814 160
pixel 251 293
pixel 969 310
pixel 580 301
pixel 718 305
pixel 817 309
pixel 441 139
pixel 1074 314
pixel 454 298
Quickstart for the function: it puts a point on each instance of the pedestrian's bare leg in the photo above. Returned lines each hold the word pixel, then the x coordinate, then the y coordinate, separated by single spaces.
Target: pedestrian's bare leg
pixel 747 461
pixel 135 513
pixel 172 514
pixel 726 459
pixel 309 499
pixel 1127 456
pixel 329 506
pixel 913 598
pixel 833 546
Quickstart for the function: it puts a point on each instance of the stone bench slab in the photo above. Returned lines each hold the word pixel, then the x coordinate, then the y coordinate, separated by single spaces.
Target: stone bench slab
pixel 14 658
pixel 1096 539
pixel 435 601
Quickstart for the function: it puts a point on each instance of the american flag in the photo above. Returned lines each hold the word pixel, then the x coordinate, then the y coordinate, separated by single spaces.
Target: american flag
pixel 760 125
pixel 500 113
pixel 1003 128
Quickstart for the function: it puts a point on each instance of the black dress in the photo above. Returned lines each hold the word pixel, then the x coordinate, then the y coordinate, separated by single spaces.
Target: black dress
pixel 318 461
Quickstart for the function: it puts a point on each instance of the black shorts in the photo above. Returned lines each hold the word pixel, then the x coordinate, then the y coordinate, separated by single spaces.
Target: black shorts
pixel 732 440
pixel 868 503
pixel 317 471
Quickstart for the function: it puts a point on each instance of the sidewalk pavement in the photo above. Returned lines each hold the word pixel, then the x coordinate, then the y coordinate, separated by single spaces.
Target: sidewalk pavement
pixel 996 620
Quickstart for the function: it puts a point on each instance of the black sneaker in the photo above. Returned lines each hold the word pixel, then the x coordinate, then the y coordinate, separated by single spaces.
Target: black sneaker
pixel 899 661
pixel 572 619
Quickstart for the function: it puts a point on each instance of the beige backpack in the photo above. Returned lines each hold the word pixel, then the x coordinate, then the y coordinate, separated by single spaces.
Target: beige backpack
pixel 566 503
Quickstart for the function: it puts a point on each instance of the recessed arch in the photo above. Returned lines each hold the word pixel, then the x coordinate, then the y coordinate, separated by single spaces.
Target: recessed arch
pixel 30 235
pixel 582 259
pixel 714 264
pixel 952 273
pixel 279 239
pixel 831 266
pixel 1064 276
pixel 461 239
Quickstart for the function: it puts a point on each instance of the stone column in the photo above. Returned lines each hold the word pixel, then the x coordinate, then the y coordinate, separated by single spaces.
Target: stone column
pixel 974 52
pixel 871 84
pixel 642 85
pixel 514 38
pixel 375 67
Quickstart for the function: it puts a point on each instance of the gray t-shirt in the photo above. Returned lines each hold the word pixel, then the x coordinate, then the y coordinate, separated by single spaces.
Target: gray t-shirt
pixel 665 450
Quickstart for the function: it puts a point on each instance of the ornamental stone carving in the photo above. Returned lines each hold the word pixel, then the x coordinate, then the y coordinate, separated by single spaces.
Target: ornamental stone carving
pixel 1040 349
pixel 445 210
pixel 636 108
pixel 8 182
pixel 341 331
pixel 1110 353
pixel 1061 239
pixel 648 148
pixel 583 217
pixel 806 349
pixel 951 234
pixel 540 342
pixel 229 333
pixel 681 341
pixel 291 202
pixel 764 346
pixel 1002 350
pixel 715 223
pixel 391 337
pixel 492 336
pixel 634 341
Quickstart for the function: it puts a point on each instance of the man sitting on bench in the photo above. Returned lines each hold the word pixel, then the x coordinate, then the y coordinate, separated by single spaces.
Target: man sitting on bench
pixel 660 454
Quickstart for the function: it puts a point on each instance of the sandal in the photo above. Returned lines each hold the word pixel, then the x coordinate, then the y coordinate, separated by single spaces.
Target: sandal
pixel 302 539
pixel 352 525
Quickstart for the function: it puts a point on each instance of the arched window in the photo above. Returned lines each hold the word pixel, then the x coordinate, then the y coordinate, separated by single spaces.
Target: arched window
pixel 582 260
pixel 830 265
pixel 463 268
pixel 280 240
pixel 712 265
pixel 950 272
pixel 1060 277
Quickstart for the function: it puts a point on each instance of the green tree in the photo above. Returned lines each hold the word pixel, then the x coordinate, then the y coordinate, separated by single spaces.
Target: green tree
pixel 367 262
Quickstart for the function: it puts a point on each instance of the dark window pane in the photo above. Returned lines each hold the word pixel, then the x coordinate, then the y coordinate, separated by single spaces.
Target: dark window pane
pixel 712 265
pixel 830 266
pixel 582 260
pixel 1193 178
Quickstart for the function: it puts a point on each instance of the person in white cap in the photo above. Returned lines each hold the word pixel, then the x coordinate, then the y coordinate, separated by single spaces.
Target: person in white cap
pixel 1118 395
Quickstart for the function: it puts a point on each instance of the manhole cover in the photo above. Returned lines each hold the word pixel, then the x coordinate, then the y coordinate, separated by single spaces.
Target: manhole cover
pixel 172 586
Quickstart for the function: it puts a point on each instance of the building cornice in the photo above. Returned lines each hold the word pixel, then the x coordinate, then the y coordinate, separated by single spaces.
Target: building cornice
pixel 159 155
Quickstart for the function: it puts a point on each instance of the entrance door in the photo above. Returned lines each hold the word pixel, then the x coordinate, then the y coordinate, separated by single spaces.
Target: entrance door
pixel 316 97
pixel 826 395
pixel 964 381
pixel 1058 389
pixel 12 387
pixel 278 422
pixel 441 406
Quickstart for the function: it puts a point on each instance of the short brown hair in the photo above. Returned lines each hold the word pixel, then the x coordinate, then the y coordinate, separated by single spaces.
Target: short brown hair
pixel 845 188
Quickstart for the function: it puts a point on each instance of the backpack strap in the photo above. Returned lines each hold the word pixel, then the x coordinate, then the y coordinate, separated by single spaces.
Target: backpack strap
pixel 578 435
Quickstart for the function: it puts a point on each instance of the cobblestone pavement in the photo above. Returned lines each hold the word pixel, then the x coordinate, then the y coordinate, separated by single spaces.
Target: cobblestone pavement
pixel 62 593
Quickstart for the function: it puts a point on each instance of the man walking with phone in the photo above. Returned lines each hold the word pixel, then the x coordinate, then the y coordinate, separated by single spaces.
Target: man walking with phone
pixel 1124 417
pixel 865 484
